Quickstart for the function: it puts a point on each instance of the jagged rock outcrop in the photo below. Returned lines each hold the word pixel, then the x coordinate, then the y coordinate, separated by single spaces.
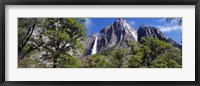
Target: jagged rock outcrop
pixel 147 32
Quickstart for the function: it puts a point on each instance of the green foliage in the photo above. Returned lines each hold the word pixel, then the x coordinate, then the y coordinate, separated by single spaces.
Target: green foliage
pixel 156 45
pixel 163 54
pixel 135 61
pixel 65 40
pixel 27 62
pixel 139 55
pixel 159 62
pixel 151 53
pixel 119 54
pixel 63 34
pixel 168 60
pixel 26 44
pixel 96 61
pixel 135 47
pixel 67 61
pixel 106 51
pixel 67 31
pixel 154 53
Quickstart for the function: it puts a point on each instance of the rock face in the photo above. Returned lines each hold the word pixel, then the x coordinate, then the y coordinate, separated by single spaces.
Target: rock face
pixel 88 44
pixel 116 34
pixel 148 32
pixel 111 36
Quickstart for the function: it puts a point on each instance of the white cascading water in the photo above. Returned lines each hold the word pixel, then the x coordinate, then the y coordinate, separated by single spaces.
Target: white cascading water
pixel 94 48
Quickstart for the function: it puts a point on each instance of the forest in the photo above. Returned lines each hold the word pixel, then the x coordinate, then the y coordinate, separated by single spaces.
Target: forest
pixel 59 42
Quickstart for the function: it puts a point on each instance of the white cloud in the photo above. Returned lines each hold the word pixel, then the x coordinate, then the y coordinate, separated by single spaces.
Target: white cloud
pixel 172 25
pixel 171 21
pixel 170 28
pixel 132 23
pixel 88 23
pixel 162 20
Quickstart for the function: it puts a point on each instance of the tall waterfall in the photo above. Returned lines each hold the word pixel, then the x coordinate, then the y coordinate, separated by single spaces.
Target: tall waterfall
pixel 94 49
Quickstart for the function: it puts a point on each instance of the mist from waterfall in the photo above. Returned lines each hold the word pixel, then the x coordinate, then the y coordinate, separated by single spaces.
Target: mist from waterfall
pixel 94 48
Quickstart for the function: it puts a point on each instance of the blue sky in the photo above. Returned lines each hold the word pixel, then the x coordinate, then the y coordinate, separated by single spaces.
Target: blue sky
pixel 171 29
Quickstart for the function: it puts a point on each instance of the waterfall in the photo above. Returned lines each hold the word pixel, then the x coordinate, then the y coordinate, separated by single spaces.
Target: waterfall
pixel 94 48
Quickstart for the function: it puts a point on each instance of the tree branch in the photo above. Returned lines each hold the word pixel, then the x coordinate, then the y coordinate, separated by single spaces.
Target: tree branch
pixel 31 50
pixel 27 39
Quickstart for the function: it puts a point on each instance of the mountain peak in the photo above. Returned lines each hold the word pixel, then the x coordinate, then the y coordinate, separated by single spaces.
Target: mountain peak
pixel 148 31
pixel 111 36
pixel 120 20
